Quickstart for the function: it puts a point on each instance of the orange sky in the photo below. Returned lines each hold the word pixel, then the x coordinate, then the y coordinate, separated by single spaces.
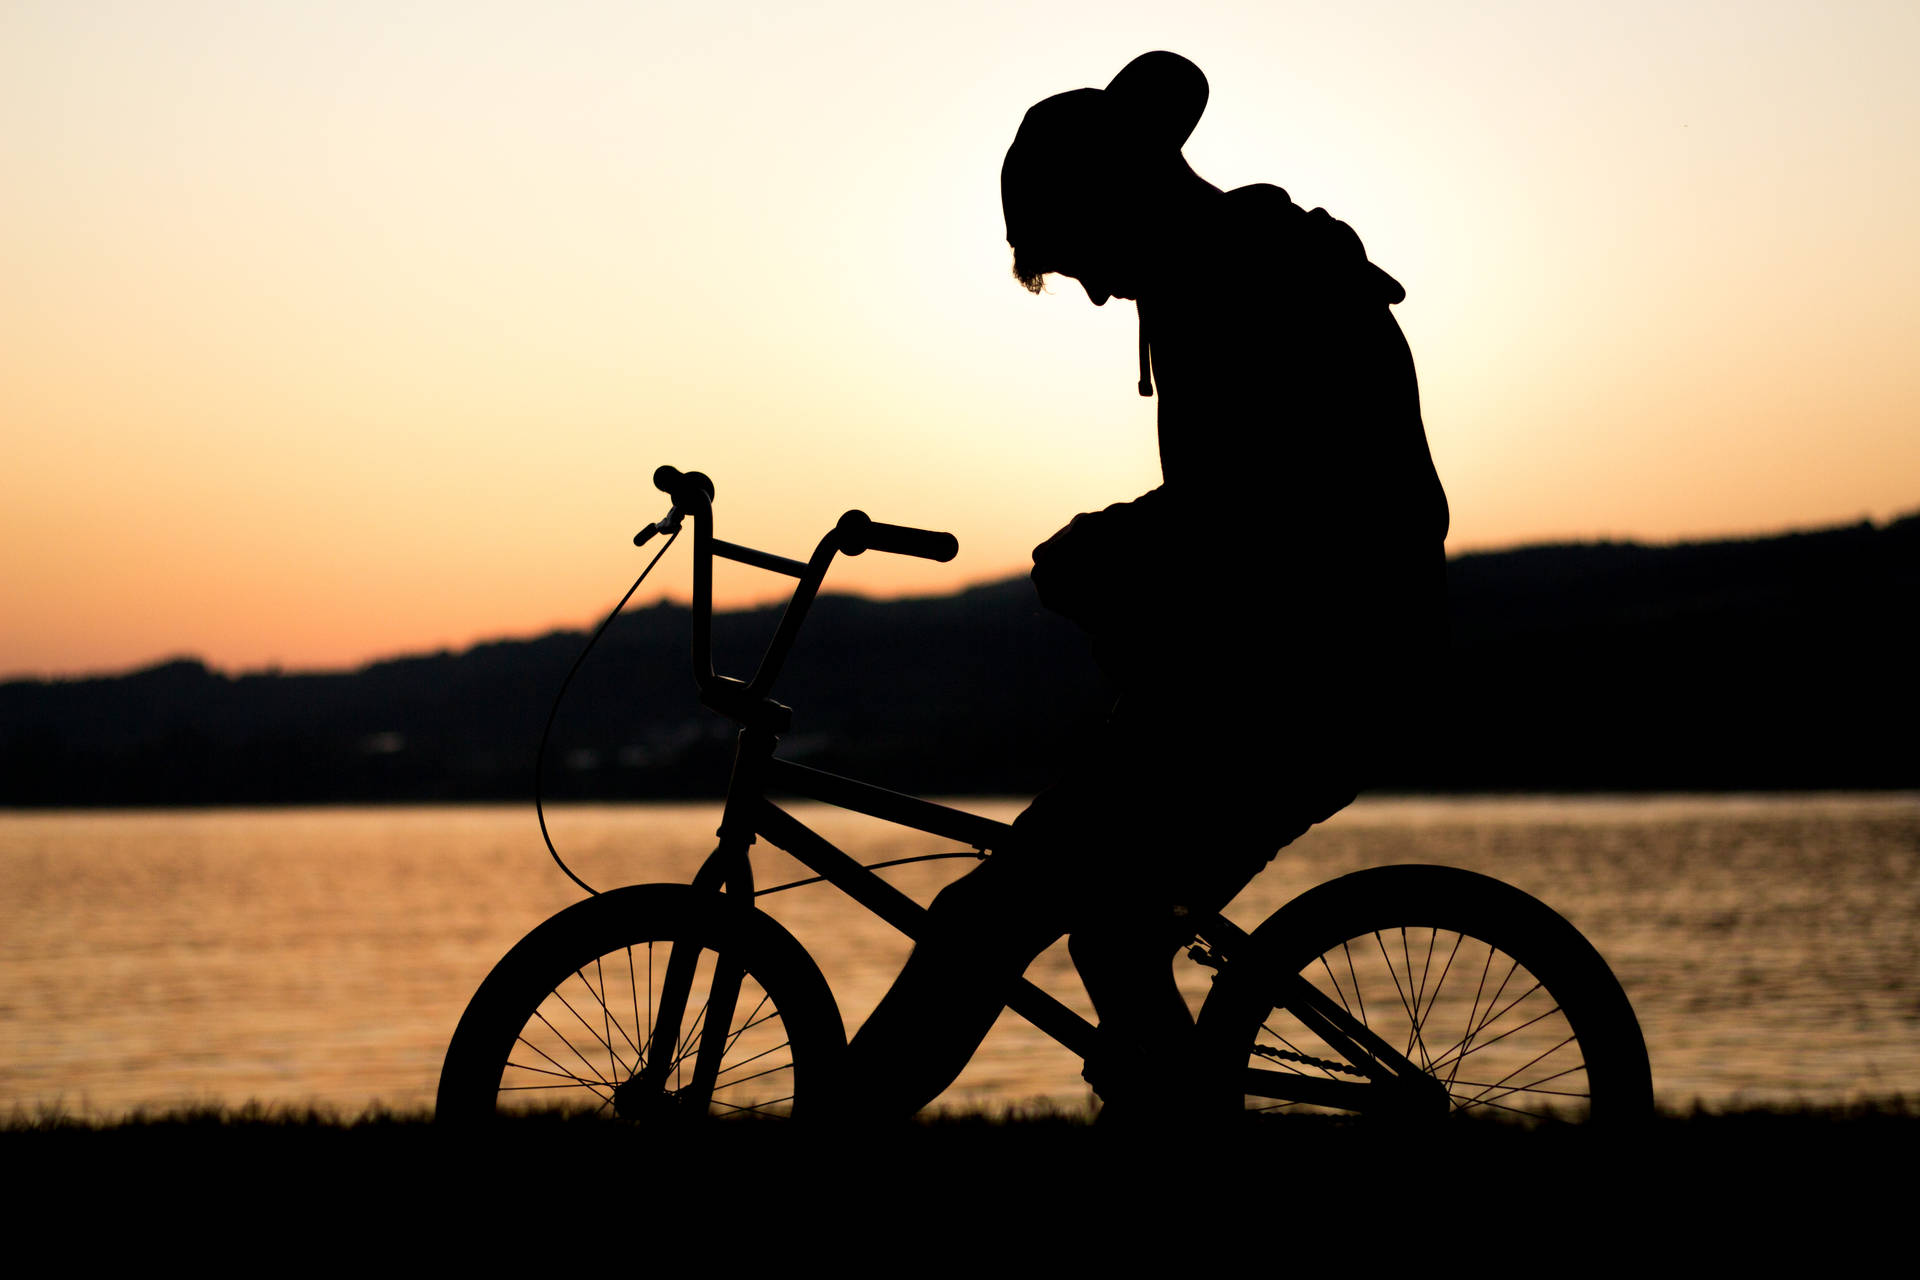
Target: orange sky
pixel 337 330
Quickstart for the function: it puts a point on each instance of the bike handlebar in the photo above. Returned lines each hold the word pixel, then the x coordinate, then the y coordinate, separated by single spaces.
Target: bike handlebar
pixel 859 534
pixel 677 484
pixel 855 534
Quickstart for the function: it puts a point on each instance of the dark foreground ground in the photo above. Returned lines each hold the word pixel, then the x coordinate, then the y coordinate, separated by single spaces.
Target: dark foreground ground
pixel 1036 1190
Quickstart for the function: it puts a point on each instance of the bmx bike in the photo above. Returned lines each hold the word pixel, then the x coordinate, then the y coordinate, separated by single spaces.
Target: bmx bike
pixel 1399 990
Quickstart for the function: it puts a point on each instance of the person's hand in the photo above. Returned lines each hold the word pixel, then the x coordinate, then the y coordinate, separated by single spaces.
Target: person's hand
pixel 1087 572
pixel 1060 570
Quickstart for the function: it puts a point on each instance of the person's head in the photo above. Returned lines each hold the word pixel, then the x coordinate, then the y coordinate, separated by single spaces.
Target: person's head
pixel 1092 174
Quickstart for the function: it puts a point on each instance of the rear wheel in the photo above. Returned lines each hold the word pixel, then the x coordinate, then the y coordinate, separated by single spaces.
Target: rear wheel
pixel 1485 989
pixel 578 1016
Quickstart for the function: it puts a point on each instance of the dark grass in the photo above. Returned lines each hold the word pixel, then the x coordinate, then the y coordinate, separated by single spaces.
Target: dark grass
pixel 1703 1185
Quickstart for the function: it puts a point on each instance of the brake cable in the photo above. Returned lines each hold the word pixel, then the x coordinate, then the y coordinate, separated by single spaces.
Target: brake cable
pixel 539 759
pixel 978 854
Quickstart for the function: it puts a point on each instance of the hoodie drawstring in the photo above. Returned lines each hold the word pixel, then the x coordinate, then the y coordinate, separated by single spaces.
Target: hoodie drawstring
pixel 1146 360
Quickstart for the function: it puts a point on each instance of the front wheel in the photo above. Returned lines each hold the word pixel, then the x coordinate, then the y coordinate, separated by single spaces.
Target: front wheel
pixel 583 1015
pixel 1485 989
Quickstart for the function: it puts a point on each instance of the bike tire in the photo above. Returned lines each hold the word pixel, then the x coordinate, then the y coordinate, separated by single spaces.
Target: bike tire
pixel 564 1021
pixel 1483 986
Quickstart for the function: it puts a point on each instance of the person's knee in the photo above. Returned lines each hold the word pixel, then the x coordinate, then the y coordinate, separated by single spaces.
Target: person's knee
pixel 991 917
pixel 971 902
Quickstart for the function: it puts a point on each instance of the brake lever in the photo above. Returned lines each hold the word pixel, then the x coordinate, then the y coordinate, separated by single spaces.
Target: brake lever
pixel 669 523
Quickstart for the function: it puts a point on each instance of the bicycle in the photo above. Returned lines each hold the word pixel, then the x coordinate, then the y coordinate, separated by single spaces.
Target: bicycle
pixel 1404 990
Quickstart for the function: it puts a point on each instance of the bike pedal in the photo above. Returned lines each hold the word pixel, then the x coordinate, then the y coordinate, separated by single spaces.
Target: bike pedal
pixel 1200 955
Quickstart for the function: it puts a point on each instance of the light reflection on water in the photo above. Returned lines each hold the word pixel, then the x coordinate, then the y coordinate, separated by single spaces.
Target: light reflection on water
pixel 1770 944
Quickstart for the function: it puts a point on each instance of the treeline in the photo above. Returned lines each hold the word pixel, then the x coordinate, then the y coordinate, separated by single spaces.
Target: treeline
pixel 1782 662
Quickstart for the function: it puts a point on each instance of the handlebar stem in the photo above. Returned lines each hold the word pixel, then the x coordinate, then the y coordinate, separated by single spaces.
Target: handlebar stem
pixel 729 696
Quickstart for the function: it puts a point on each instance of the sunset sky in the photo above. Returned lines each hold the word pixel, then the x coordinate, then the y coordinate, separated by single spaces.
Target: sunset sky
pixel 341 329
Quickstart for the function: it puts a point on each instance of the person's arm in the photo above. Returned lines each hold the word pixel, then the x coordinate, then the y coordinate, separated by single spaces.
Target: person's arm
pixel 1090 571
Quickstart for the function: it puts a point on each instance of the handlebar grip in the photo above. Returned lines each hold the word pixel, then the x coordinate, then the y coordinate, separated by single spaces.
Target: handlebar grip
pixel 858 533
pixel 674 482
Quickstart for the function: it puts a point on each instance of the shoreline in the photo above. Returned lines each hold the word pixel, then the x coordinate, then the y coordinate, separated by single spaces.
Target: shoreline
pixel 1384 795
pixel 1894 1110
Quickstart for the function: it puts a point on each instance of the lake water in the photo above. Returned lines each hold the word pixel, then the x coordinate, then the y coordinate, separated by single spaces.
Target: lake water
pixel 1771 944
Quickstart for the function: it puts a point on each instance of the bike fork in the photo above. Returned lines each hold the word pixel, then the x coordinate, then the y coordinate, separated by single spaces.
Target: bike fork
pixel 712 1024
pixel 727 868
pixel 671 1040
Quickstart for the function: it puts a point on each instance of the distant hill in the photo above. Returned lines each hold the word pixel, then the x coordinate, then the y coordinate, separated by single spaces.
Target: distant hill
pixel 1783 662
pixel 1779 662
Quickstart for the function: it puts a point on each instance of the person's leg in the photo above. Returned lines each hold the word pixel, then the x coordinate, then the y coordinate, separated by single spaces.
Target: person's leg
pixel 982 932
pixel 1186 827
pixel 1146 1030
pixel 1107 853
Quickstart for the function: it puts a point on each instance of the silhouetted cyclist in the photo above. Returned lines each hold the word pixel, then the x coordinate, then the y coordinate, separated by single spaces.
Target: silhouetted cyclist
pixel 1271 614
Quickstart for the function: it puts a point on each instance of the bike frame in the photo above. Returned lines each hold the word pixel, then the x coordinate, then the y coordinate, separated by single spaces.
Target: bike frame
pixel 1392 1080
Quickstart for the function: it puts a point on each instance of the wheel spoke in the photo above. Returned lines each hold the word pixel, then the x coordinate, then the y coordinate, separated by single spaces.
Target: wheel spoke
pixel 750 1024
pixel 1440 982
pixel 758 1108
pixel 1501 1106
pixel 1415 995
pixel 1474 1013
pixel 581 1081
pixel 633 989
pixel 1522 1067
pixel 1426 970
pixel 1535 1086
pixel 603 1040
pixel 571 1046
pixel 1512 967
pixel 1358 998
pixel 687 1044
pixel 560 1073
pixel 1413 1020
pixel 735 1066
pixel 606 1018
pixel 1334 979
pixel 1464 1048
pixel 1478 1022
pixel 733 1084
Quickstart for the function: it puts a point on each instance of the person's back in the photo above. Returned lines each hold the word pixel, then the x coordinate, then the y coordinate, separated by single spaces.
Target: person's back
pixel 1286 388
pixel 1290 426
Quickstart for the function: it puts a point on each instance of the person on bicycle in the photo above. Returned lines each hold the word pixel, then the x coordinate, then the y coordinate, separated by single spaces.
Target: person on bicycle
pixel 1271 614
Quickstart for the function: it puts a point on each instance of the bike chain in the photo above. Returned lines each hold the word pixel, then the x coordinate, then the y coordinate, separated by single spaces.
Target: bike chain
pixel 1281 1055
pixel 1199 954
